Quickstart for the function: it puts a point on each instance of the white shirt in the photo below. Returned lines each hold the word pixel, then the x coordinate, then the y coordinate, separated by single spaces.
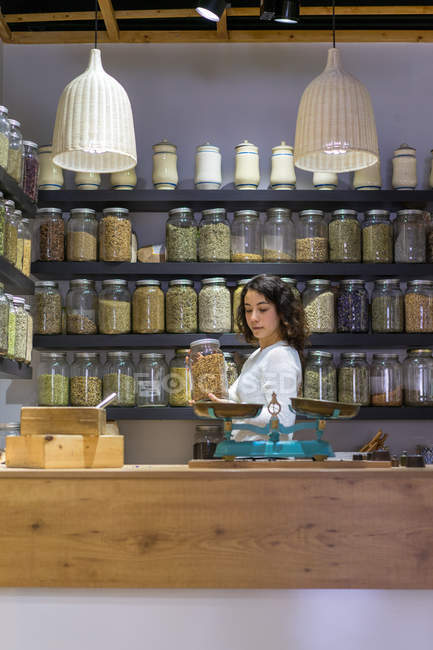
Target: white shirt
pixel 277 368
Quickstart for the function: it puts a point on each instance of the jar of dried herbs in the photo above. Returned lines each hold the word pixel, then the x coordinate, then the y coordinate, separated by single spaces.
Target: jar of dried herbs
pixel 311 237
pixel 20 330
pixel 246 237
pixel 118 376
pixel 410 237
pixel 86 382
pixel 344 236
pixel 208 370
pixel 354 378
pixel 279 236
pixel 292 284
pixel 82 307
pixel 4 137
pixel 4 318
pixel 152 380
pixel 418 377
pixel 320 376
pixel 179 384
pixel 418 306
pixel 352 306
pixel 53 379
pixel 24 246
pixel 231 368
pixel 318 300
pixel 181 236
pixel 214 306
pixel 11 327
pixel 114 307
pixel 51 235
pixel 377 237
pixel 11 236
pixel 115 235
pixel 2 221
pixel 29 346
pixel 15 152
pixel 148 314
pixel 48 303
pixel 237 301
pixel 386 380
pixel 30 169
pixel 181 307
pixel 387 306
pixel 214 236
pixel 82 236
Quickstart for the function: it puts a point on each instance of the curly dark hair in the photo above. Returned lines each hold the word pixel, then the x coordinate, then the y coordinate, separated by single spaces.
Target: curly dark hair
pixel 288 306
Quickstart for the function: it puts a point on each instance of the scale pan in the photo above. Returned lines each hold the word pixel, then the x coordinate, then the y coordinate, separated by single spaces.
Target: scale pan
pixel 227 410
pixel 318 408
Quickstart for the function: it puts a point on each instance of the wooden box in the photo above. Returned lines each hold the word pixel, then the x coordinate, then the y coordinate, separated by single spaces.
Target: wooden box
pixel 62 420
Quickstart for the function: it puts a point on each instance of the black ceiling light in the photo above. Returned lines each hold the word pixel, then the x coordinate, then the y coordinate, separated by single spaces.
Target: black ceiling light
pixel 211 9
pixel 287 11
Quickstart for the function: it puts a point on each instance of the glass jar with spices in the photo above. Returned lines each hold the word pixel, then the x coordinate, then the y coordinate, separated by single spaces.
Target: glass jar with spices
pixel 344 236
pixel 51 235
pixel 208 370
pixel 418 377
pixel 8 429
pixel 152 380
pixel 320 376
pixel 4 318
pixel 231 367
pixel 246 237
pixel 410 236
pixel 82 307
pixel 114 307
pixel 214 306
pixel 30 169
pixel 29 346
pixel 148 307
pixel 48 308
pixel 24 246
pixel 53 379
pixel 206 439
pixel 237 301
pixel 386 380
pixel 279 236
pixel 118 376
pixel 292 284
pixel 387 306
pixel 354 379
pixel 318 301
pixel 11 327
pixel 377 237
pixel 82 236
pixel 352 306
pixel 20 330
pixel 311 237
pixel 11 236
pixel 4 137
pixel 214 236
pixel 179 384
pixel 418 306
pixel 15 152
pixel 181 236
pixel 2 224
pixel 115 235
pixel 86 382
pixel 181 307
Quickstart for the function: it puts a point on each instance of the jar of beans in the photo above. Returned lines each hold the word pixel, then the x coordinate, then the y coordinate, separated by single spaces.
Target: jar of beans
pixel 181 307
pixel 208 370
pixel 82 236
pixel 352 306
pixel 30 169
pixel 115 235
pixel 48 319
pixel 82 307
pixel 354 378
pixel 418 377
pixel 152 380
pixel 318 300
pixel 279 236
pixel 118 376
pixel 418 305
pixel 179 385
pixel 311 237
pixel 114 307
pixel 214 306
pixel 86 382
pixel 246 237
pixel 214 236
pixel 53 379
pixel 51 235
pixel 377 237
pixel 181 236
pixel 148 315
pixel 386 380
pixel 410 240
pixel 344 236
pixel 237 301
pixel 15 153
pixel 387 306
pixel 320 376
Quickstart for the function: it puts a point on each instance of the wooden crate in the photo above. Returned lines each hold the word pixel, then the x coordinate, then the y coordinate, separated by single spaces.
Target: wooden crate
pixel 62 420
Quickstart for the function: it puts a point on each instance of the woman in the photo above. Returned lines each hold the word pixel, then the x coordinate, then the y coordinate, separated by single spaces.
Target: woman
pixel 270 315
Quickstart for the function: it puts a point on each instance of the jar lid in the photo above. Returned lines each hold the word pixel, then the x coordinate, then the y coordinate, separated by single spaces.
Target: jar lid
pixel 207 146
pixel 152 355
pixel 377 213
pixel 9 425
pixel 419 283
pixel 27 307
pixel 182 351
pixel 46 283
pixel 49 211
pixel 420 351
pixel 385 281
pixel 110 210
pixel 404 146
pixel 14 123
pixel 82 282
pixel 164 142
pixel 208 428
pixel 3 109
pixel 29 143
pixel 143 283
pixel 354 355
pixel 117 281
pixel 213 281
pixel 11 203
pixel 211 211
pixel 86 355
pixel 321 353
pixel 344 212
pixel 311 213
pixel 281 213
pixel 17 300
pixel 245 143
pixel 410 213
pixel 247 213
pixel 184 281
pixel 319 282
pixel 118 353
pixel 352 281
pixel 244 281
pixel 289 280
pixel 18 213
pixel 385 355
pixel 83 211
pixel 205 342
pixel 282 147
pixel 186 211
pixel 228 355
pixel 25 220
pixel 53 355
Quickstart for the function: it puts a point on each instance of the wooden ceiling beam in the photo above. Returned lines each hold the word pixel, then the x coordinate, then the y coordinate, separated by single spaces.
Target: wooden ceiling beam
pixel 5 32
pixel 356 10
pixel 222 32
pixel 51 17
pixel 110 21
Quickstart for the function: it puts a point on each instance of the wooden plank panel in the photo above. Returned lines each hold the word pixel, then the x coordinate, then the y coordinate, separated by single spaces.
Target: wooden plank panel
pixel 110 21
pixel 51 16
pixel 70 420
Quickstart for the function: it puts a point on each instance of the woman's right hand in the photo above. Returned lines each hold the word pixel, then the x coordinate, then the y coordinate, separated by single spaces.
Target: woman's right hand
pixel 214 398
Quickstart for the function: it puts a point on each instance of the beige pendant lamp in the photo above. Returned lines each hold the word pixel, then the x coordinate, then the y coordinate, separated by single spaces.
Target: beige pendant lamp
pixel 335 128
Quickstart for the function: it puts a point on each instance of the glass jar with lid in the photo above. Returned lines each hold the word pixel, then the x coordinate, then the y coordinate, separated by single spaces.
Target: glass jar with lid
pixel 118 376
pixel 115 235
pixel 30 169
pixel 246 237
pixel 410 236
pixel 4 137
pixel 179 384
pixel 24 246
pixel 208 370
pixel 418 306
pixel 51 235
pixel 237 301
pixel 152 380
pixel 386 380
pixel 8 429
pixel 181 236
pixel 82 236
pixel 11 327
pixel 387 306
pixel 181 307
pixel 148 315
pixel 206 439
pixel 20 330
pixel 231 367
pixel 2 222
pixel 48 319
pixel 344 236
pixel 86 382
pixel 279 236
pixel 418 377
pixel 354 379
pixel 114 307
pixel 352 306
pixel 311 237
pixel 4 320
pixel 53 379
pixel 377 237
pixel 320 376
pixel 15 152
pixel 214 306
pixel 29 346
pixel 292 284
pixel 82 307
pixel 11 236
pixel 214 236
pixel 318 300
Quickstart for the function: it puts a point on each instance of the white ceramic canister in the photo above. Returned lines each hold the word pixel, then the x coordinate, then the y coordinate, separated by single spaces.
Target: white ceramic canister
pixel 87 180
pixel 164 175
pixel 125 180
pixel 325 180
pixel 368 178
pixel 247 170
pixel 404 168
pixel 50 175
pixel 283 175
pixel 207 175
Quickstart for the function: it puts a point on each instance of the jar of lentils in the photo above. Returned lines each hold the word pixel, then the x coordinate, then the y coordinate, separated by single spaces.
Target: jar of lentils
pixel 386 380
pixel 2 215
pixel 11 327
pixel 208 370
pixel 181 307
pixel 48 302
pixel 4 137
pixel 15 153
pixel 86 382
pixel 53 379
pixel 179 385
pixel 51 235
pixel 214 306
pixel 311 237
pixel 24 246
pixel 410 236
pixel 115 235
pixel 320 376
pixel 237 301
pixel 377 238
pixel 344 236
pixel 246 237
pixel 231 367
pixel 20 329
pixel 181 236
pixel 418 377
pixel 29 346
pixel 148 315
pixel 318 300
pixel 387 306
pixel 11 236
pixel 114 307
pixel 4 319
pixel 352 306
pixel 82 307
pixel 214 236
pixel 118 377
pixel 418 306
pixel 354 379
pixel 279 236
pixel 82 236
pixel 152 380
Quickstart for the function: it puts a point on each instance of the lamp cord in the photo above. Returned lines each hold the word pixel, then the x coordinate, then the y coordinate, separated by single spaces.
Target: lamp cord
pixel 333 24
pixel 96 23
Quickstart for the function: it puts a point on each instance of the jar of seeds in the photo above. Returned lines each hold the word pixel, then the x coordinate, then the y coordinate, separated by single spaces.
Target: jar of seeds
pixel 115 235
pixel 148 307
pixel 386 380
pixel 11 327
pixel 410 240
pixel 181 236
pixel 214 236
pixel 352 306
pixel 82 236
pixel 53 379
pixel 29 346
pixel 387 306
pixel 231 367
pixel 418 377
pixel 4 137
pixel 118 376
pixel 206 439
pixel 114 307
pixel 237 301
pixel 318 300
pixel 320 376
pixel 179 384
pixel 4 318
pixel 246 237
pixel 2 217
pixel 20 329
pixel 11 236
pixel 48 302
pixel 418 306
pixel 377 238
pixel 208 370
pixel 214 306
pixel 86 382
pixel 354 379
pixel 51 235
pixel 82 307
pixel 24 246
pixel 292 284
pixel 344 236
pixel 152 380
pixel 279 236
pixel 181 307
pixel 311 237
pixel 15 152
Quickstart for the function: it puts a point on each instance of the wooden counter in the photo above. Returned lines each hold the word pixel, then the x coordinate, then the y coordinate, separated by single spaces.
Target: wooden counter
pixel 170 527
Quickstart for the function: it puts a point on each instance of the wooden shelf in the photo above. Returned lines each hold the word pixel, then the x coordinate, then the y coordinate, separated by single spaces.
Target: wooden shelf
pixel 10 369
pixel 12 190
pixel 14 281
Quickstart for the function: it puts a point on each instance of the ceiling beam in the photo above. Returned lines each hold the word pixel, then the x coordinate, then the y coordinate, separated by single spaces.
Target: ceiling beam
pixel 5 32
pixel 222 32
pixel 356 10
pixel 110 21
pixel 51 17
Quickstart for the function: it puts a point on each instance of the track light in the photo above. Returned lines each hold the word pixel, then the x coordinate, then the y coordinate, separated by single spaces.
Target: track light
pixel 287 11
pixel 211 9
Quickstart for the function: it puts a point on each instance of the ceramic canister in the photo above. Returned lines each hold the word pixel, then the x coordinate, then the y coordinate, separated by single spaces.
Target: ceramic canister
pixel 325 180
pixel 50 175
pixel 282 168
pixel 404 168
pixel 207 174
pixel 247 171
pixel 125 180
pixel 164 175
pixel 368 178
pixel 87 180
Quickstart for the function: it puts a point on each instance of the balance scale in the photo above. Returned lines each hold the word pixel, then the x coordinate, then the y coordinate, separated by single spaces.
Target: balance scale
pixel 317 411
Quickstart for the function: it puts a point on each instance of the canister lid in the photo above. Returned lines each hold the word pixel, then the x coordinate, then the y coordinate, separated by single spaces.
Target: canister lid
pixel 386 281
pixel 14 123
pixel 213 280
pixel 244 281
pixel 182 351
pixel 279 213
pixel 216 211
pixel 228 355
pixel 180 281
pixel 410 213
pixel 82 282
pixel 247 213
pixel 83 211
pixel 354 355
pixel 420 283
pixel 45 283
pixel 118 353
pixel 164 143
pixel 182 210
pixel 18 213
pixel 377 213
pixel 425 352
pixel 143 283
pixel 117 281
pixel 49 211
pixel 385 355
pixel 352 281
pixel 207 147
pixel 250 145
pixel 289 280
pixel 404 147
pixel 152 355
pixel 53 355
pixel 86 355
pixel 321 353
pixel 205 342
pixel 283 147
pixel 110 210
pixel 11 204
pixel 29 143
pixel 311 213
pixel 344 212
pixel 3 109
pixel 318 282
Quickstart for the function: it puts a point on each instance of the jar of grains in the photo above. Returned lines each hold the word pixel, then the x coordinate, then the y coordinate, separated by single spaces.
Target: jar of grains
pixel 377 237
pixel 237 301
pixel 30 169
pixel 15 152
pixel 231 368
pixel 354 378
pixel 181 236
pixel 82 236
pixel 311 237
pixel 24 246
pixel 86 382
pixel 82 307
pixel 214 306
pixel 206 439
pixel 279 236
pixel 11 236
pixel 418 306
pixel 48 303
pixel 148 307
pixel 29 346
pixel 51 235
pixel 11 327
pixel 410 236
pixel 115 235
pixel 344 236
pixel 214 236
pixel 292 284
pixel 208 370
pixel 179 384
pixel 320 376
pixel 318 301
pixel 20 330
pixel 118 376
pixel 246 237
pixel 152 380
pixel 4 137
pixel 4 318
pixel 386 380
pixel 2 220
pixel 181 307
pixel 53 379
pixel 418 378
pixel 352 306
pixel 387 306
pixel 114 307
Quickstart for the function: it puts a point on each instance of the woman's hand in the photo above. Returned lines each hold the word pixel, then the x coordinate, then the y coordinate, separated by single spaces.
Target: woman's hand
pixel 214 398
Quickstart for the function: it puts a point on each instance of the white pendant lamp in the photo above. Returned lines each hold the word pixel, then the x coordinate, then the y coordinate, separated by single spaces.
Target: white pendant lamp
pixel 335 128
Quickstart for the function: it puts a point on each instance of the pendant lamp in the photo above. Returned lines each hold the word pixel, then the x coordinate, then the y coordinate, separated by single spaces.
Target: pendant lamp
pixel 335 128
